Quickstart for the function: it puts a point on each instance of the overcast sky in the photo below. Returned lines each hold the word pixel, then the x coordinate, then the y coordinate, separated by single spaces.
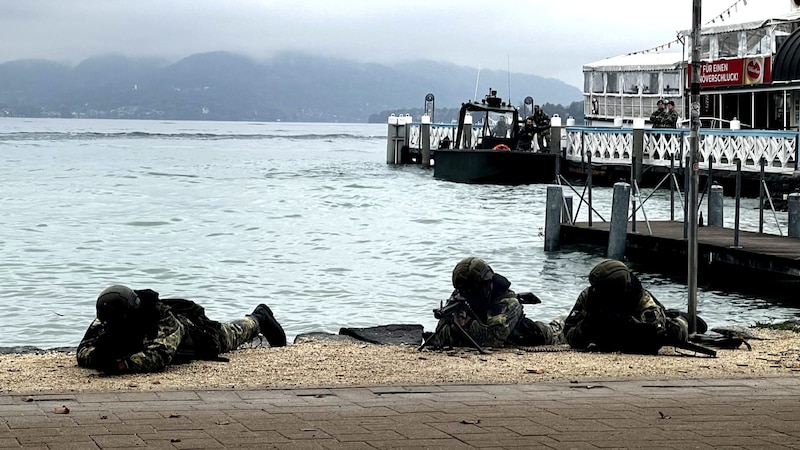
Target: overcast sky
pixel 552 38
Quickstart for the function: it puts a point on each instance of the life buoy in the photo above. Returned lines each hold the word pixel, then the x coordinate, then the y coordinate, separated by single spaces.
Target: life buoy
pixel 501 147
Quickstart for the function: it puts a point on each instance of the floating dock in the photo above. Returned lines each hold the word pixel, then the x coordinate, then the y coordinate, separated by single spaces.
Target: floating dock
pixel 720 252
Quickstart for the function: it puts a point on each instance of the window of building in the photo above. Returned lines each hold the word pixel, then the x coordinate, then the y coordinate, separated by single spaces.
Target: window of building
pixel 757 42
pixel 612 83
pixel 728 45
pixel 672 82
pixel 598 86
pixel 630 82
pixel 650 83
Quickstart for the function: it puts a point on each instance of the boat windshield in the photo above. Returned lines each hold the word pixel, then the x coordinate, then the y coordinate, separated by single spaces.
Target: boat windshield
pixel 495 124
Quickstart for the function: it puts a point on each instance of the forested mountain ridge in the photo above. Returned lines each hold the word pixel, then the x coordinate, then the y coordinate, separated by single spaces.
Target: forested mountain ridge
pixel 227 86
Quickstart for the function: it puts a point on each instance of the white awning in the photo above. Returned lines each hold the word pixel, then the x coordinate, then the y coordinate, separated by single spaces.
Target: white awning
pixel 637 62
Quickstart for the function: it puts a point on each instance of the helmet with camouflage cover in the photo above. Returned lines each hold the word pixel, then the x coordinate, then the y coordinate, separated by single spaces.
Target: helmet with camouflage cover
pixel 471 275
pixel 116 303
pixel 613 280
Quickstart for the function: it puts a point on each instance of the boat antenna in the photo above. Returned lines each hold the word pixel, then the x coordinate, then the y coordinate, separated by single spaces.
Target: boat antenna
pixel 508 70
pixel 478 79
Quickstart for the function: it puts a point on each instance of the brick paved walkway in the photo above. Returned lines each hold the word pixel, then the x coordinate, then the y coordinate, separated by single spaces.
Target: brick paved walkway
pixel 730 413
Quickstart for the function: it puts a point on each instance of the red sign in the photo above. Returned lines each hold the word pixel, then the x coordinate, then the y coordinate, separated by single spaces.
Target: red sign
pixel 733 72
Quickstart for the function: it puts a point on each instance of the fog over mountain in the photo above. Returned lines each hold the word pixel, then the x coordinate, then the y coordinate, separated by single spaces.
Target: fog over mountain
pixel 228 86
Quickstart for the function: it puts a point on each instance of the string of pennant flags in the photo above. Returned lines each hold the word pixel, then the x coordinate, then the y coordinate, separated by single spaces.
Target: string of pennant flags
pixel 719 17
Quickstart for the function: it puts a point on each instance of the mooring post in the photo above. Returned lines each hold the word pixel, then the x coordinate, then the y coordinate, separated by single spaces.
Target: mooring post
pixel 552 220
pixel 618 230
pixel 638 150
pixel 715 206
pixel 425 138
pixel 555 135
pixel 391 140
pixel 794 214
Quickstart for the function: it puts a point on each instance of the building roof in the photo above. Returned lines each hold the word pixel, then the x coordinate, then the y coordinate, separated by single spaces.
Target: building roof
pixel 637 62
pixel 793 16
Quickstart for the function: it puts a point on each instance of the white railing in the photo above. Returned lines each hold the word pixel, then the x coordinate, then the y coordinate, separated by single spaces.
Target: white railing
pixel 440 130
pixel 615 145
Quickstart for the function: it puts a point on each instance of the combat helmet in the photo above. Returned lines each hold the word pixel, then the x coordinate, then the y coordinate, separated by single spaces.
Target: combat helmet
pixel 472 275
pixel 613 279
pixel 116 303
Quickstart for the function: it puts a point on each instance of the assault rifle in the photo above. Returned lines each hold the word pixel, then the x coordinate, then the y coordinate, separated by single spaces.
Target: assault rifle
pixel 691 346
pixel 455 304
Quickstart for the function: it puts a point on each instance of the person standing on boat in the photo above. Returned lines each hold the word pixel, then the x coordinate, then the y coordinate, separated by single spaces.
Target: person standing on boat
pixel 657 116
pixel 483 311
pixel 135 331
pixel 542 122
pixel 526 134
pixel 615 313
pixel 670 117
pixel 500 128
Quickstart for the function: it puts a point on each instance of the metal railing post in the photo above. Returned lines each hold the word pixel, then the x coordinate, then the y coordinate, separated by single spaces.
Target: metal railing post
pixel 672 189
pixel 589 183
pixel 686 175
pixel 633 197
pixel 738 202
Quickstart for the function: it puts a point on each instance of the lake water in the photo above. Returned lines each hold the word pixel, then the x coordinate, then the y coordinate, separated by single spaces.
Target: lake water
pixel 307 218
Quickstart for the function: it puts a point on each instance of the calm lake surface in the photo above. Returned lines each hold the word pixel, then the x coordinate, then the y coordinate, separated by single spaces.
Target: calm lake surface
pixel 307 218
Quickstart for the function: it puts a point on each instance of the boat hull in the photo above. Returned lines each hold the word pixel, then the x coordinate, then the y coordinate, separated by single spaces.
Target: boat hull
pixel 495 166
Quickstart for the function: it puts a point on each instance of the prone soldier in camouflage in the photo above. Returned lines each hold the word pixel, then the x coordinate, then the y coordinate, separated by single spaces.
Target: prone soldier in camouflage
pixel 615 313
pixel 490 313
pixel 136 331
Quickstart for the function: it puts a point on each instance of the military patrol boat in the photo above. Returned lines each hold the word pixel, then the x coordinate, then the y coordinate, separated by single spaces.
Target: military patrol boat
pixel 483 152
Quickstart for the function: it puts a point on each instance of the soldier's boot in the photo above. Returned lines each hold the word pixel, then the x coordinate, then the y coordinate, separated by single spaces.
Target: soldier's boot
pixel 268 326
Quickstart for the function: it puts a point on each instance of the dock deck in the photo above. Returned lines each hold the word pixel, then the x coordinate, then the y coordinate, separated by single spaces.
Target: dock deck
pixel 771 255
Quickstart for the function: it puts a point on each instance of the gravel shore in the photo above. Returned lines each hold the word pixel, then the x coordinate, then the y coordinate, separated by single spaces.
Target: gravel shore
pixel 323 363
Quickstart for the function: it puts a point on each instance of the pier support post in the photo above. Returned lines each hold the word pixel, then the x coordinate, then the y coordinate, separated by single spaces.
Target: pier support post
pixel 555 135
pixel 425 138
pixel 395 139
pixel 794 214
pixel 618 230
pixel 552 220
pixel 715 207
pixel 638 150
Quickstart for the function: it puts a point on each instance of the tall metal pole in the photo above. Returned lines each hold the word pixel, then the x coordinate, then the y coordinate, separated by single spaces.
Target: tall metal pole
pixel 694 166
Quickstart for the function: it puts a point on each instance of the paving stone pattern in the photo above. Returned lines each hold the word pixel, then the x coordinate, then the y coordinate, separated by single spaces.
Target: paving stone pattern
pixel 646 414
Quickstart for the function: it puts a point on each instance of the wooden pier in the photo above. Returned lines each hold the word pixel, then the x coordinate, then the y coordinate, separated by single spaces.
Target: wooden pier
pixel 758 256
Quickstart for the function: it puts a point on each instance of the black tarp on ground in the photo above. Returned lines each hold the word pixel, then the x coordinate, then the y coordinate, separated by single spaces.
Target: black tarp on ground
pixel 386 334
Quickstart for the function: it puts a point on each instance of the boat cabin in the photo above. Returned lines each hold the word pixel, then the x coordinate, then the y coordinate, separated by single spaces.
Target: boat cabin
pixel 487 124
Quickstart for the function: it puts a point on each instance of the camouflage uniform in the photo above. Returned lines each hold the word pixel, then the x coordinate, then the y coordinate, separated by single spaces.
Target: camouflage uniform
pixel 669 119
pixel 542 122
pixel 657 117
pixel 494 315
pixel 634 322
pixel 169 341
pixel 526 133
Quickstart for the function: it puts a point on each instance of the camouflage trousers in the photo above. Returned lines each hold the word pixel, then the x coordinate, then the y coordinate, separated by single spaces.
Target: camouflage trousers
pixel 233 334
pixel 531 333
